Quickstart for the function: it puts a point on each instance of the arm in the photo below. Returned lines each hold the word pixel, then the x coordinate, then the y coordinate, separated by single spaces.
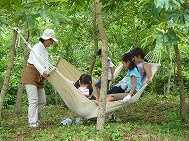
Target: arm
pixel 148 72
pixel 35 61
pixel 112 69
pixel 133 79
pixel 132 90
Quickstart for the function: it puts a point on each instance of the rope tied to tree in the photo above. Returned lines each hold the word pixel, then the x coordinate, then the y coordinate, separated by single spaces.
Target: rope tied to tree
pixel 40 59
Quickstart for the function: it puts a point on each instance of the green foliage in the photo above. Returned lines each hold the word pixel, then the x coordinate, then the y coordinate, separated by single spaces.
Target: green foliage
pixel 52 96
pixel 142 23
pixel 152 118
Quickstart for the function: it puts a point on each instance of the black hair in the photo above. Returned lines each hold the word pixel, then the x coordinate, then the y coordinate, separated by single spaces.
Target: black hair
pixel 83 79
pixel 90 89
pixel 129 57
pixel 77 83
pixel 99 52
pixel 138 52
pixel 41 39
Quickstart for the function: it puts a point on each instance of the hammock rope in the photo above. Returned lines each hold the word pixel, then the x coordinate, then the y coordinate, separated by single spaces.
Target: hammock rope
pixel 77 102
pixel 40 59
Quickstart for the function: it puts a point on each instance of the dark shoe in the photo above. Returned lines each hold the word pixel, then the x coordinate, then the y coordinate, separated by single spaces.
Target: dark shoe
pixel 111 117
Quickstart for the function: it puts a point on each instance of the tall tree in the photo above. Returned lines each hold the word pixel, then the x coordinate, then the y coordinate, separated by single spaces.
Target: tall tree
pixel 20 87
pixel 181 83
pixel 8 71
pixel 94 30
pixel 172 17
pixel 103 91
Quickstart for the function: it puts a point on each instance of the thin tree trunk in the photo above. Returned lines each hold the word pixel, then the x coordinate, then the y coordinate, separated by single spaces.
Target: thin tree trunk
pixel 169 73
pixel 21 86
pixel 8 71
pixel 181 84
pixel 94 30
pixel 103 91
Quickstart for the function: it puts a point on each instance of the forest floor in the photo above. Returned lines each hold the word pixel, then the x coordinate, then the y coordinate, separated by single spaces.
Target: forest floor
pixel 152 118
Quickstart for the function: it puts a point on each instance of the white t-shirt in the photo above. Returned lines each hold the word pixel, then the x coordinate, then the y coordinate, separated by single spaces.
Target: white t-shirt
pixel 39 49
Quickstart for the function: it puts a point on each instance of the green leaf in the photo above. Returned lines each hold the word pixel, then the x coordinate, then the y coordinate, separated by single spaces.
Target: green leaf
pixel 159 40
pixel 166 4
pixel 159 3
pixel 173 37
pixel 149 39
pixel 182 19
pixel 165 38
pixel 60 0
pixel 56 21
pixel 31 21
pixel 177 3
pixel 171 33
pixel 170 16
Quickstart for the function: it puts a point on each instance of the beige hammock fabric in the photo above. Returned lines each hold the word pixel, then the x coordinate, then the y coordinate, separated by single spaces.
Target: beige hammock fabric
pixel 75 101
pixel 71 72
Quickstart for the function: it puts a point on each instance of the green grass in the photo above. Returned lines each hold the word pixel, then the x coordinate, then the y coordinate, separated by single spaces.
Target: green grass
pixel 153 118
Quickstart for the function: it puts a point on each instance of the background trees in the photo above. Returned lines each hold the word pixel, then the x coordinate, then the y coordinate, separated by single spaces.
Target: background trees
pixel 140 23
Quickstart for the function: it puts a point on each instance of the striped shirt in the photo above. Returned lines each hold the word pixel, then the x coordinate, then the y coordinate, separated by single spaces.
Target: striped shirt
pixel 84 91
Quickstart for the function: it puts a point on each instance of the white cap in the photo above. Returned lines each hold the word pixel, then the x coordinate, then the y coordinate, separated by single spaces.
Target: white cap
pixel 49 34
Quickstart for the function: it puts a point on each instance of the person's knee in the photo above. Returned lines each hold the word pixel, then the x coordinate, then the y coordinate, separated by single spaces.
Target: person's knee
pixel 32 100
pixel 42 101
pixel 110 98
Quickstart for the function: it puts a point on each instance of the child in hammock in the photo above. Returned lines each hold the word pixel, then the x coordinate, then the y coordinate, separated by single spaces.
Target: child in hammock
pixel 84 85
pixel 133 80
pixel 143 68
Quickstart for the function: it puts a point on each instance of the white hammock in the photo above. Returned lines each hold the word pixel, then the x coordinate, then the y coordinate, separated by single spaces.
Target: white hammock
pixel 78 103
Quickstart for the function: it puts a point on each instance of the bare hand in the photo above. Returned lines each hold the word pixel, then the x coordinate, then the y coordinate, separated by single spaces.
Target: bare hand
pixel 46 73
pixel 112 80
pixel 149 81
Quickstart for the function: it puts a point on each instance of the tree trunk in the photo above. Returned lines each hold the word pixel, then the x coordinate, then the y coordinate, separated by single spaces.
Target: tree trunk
pixel 94 30
pixel 20 88
pixel 8 71
pixel 181 84
pixel 103 91
pixel 169 73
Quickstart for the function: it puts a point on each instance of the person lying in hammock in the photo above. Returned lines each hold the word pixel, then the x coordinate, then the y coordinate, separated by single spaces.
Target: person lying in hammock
pixel 133 79
pixel 84 85
pixel 143 68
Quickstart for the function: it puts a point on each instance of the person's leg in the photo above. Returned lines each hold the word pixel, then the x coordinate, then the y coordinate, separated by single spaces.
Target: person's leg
pixel 92 97
pixel 98 86
pixel 108 86
pixel 96 102
pixel 41 101
pixel 115 90
pixel 98 92
pixel 110 98
pixel 118 90
pixel 33 104
pixel 118 96
pixel 111 90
